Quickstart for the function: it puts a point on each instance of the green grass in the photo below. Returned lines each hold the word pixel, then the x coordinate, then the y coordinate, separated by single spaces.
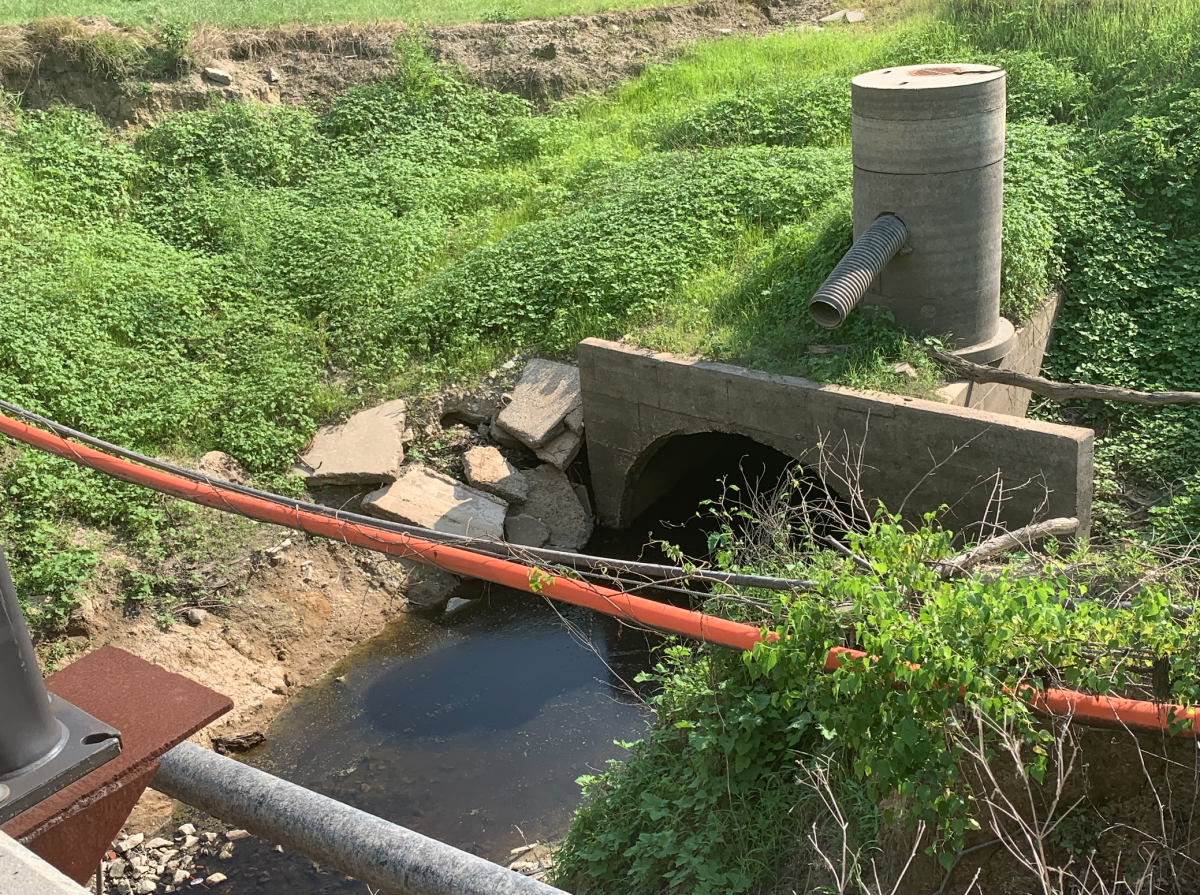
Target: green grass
pixel 282 12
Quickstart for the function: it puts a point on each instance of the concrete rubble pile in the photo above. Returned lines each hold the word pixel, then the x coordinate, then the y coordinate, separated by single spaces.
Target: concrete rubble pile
pixel 535 505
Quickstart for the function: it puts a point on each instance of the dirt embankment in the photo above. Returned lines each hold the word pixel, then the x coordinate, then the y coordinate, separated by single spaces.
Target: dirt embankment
pixel 127 76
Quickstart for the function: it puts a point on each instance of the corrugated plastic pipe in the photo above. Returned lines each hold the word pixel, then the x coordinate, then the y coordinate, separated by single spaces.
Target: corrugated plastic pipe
pixel 858 268
pixel 1102 711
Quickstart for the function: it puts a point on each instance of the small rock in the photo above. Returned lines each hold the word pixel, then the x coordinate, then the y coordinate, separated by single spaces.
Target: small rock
pixel 188 830
pixel 226 853
pixel 166 855
pixel 195 617
pixel 209 836
pixel 235 835
pixel 508 365
pixel 549 51
pixel 526 531
pixel 457 604
pixel 124 887
pixel 219 465
pixel 724 31
pixel 430 499
pixel 546 392
pixel 190 841
pixel 159 842
pixel 145 886
pixel 214 879
pixel 487 470
pixel 367 449
pixel 905 369
pixel 272 76
pixel 180 877
pixel 132 842
pixel 217 76
pixel 116 869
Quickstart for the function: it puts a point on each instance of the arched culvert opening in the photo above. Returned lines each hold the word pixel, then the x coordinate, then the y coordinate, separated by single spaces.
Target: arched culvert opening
pixel 678 474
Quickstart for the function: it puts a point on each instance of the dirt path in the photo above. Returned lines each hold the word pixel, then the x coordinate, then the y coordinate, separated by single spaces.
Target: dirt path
pixel 309 65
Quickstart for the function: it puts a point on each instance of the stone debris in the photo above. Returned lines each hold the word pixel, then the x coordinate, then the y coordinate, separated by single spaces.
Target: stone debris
pixel 456 605
pixel 366 449
pixel 167 864
pixel 235 835
pixel 195 617
pixel 905 369
pixel 131 842
pixel 214 879
pixel 217 76
pixel 429 587
pixel 188 830
pixel 554 503
pixel 844 15
pixel 472 408
pixel 219 465
pixel 242 742
pixel 544 395
pixel 145 886
pixel 430 499
pixel 488 471
pixel 159 842
pixel 532 860
pixel 272 76
pixel 560 450
pixel 526 531
pixel 503 437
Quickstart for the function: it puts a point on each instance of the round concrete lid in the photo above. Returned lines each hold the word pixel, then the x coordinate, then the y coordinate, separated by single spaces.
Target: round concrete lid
pixel 928 77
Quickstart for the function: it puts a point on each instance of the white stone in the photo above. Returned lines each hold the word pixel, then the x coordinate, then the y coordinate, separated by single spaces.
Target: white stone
pixel 195 617
pixel 546 392
pixel 235 835
pixel 218 77
pixel 180 877
pixel 188 829
pixel 487 470
pixel 159 842
pixel 190 841
pixel 145 886
pixel 214 879
pixel 457 604
pixel 430 499
pixel 209 836
pixel 132 842
pixel 367 449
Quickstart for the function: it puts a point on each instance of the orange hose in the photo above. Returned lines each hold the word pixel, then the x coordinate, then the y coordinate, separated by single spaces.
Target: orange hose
pixel 1104 711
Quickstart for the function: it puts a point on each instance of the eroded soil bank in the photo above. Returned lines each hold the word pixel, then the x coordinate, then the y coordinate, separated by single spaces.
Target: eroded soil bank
pixel 309 65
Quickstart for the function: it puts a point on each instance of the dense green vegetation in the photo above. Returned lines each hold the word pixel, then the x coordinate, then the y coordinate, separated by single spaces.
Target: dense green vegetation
pixel 229 279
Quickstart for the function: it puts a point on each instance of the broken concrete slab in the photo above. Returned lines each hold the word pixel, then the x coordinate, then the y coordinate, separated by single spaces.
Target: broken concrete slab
pixel 366 449
pixel 553 502
pixel 421 496
pixel 488 471
pixel 852 16
pixel 526 531
pixel 560 450
pixel 544 395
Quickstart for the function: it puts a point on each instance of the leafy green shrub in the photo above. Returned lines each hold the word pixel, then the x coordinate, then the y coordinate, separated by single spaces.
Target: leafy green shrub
pixel 811 113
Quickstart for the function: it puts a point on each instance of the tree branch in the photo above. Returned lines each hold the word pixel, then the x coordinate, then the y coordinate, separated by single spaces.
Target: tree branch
pixel 1058 391
pixel 1022 537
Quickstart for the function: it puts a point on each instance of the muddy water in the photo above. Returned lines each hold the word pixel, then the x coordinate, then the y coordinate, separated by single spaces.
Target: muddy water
pixel 470 729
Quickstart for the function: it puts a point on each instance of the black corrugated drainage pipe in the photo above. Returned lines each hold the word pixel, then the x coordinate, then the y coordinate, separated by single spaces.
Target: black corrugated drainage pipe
pixel 843 288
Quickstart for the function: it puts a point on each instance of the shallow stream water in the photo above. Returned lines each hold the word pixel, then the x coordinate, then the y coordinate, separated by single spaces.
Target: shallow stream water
pixel 471 729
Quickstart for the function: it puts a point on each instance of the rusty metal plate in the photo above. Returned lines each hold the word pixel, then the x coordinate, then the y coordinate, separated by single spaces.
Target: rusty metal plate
pixel 154 709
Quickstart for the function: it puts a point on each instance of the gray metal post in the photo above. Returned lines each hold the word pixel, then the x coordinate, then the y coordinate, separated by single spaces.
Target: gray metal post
pixel 361 845
pixel 29 732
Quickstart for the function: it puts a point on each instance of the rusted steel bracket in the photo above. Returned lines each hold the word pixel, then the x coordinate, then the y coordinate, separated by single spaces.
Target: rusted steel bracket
pixel 155 710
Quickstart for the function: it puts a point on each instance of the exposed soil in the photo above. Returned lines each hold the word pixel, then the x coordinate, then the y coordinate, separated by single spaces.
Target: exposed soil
pixel 309 65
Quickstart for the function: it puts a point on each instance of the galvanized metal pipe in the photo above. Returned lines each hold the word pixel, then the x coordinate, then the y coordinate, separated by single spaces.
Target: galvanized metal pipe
pixel 358 844
pixel 856 271
pixel 29 732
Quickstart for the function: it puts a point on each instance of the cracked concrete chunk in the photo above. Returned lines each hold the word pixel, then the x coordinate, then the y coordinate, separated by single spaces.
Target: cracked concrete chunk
pixel 526 531
pixel 217 76
pixel 561 449
pixel 366 449
pixel 553 502
pixel 488 471
pixel 545 394
pixel 429 499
